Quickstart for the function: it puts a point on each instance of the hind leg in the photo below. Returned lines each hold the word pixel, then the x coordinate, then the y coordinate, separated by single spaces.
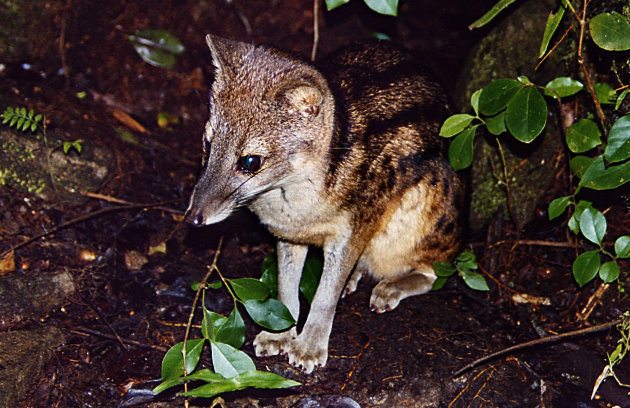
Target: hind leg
pixel 388 293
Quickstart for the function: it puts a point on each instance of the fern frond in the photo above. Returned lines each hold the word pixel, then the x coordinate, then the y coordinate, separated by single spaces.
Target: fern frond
pixel 19 118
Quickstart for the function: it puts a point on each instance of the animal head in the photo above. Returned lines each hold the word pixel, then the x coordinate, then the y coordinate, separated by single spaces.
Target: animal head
pixel 270 114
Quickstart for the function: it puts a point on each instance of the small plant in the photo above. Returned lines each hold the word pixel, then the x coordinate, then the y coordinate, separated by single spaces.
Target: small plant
pixel 232 369
pixel 21 119
pixel 76 145
pixel 518 107
pixel 465 264
pixel 614 358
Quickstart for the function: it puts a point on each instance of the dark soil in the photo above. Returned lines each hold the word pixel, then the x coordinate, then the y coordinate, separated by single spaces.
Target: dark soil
pixel 122 319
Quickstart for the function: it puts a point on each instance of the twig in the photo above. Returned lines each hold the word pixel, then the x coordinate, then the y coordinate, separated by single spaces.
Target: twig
pixel 315 29
pixel 211 268
pixel 507 186
pixel 85 330
pixel 538 342
pixel 85 217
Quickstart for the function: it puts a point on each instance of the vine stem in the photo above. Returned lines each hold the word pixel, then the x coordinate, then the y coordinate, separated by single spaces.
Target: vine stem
pixel 211 268
pixel 507 185
pixel 315 29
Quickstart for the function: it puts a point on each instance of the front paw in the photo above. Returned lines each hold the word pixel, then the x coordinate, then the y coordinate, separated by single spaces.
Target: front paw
pixel 271 344
pixel 304 353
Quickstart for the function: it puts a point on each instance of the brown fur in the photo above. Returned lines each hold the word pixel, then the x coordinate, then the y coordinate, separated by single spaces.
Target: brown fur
pixel 345 156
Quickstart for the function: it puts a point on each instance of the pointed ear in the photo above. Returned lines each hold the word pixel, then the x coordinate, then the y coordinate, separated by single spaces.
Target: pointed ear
pixel 306 99
pixel 226 54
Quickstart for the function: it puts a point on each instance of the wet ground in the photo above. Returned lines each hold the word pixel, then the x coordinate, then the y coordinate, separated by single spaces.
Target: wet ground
pixel 128 270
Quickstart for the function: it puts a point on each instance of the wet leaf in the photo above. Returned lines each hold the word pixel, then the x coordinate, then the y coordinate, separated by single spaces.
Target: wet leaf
pixel 610 31
pixel 579 164
pixel 332 4
pixel 609 272
pixel 252 378
pixel 232 330
pixel 474 100
pixel 270 314
pixel 491 14
pixel 618 147
pixel 622 246
pixel 386 7
pixel 173 362
pixel 593 225
pixel 444 269
pixel 157 47
pixel 526 114
pixel 474 280
pixel 583 136
pixel 558 206
pixel 249 288
pixel 585 267
pixel 460 151
pixel 455 124
pixel 210 323
pixel 496 124
pixel 228 361
pixel 562 87
pixel 598 177
pixel 311 274
pixel 552 24
pixel 497 95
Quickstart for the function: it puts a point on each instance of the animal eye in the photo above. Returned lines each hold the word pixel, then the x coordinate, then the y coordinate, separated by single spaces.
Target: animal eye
pixel 250 163
pixel 206 145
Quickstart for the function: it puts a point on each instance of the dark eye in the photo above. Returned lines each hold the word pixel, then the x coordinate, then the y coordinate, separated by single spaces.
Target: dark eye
pixel 250 164
pixel 206 145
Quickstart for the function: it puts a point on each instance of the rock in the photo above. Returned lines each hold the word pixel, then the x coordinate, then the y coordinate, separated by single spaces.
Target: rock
pixel 508 50
pixel 23 355
pixel 40 167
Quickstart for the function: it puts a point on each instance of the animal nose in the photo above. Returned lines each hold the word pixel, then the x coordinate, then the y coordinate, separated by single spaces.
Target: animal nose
pixel 195 218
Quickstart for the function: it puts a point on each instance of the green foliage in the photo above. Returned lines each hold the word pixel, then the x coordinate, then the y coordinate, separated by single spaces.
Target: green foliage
pixel 157 47
pixel 386 7
pixel 517 107
pixel 76 145
pixel 465 264
pixel 21 119
pixel 233 369
pixel 491 14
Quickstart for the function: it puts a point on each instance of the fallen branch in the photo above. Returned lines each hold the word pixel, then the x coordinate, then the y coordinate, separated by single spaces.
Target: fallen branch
pixel 538 342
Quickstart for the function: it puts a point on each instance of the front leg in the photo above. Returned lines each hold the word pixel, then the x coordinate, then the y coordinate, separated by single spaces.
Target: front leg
pixel 310 348
pixel 290 264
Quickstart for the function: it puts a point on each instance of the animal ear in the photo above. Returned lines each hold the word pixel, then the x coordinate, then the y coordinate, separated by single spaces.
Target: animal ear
pixel 226 54
pixel 304 99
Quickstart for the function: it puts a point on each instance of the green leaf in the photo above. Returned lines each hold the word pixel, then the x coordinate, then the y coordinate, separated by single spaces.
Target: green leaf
pixel 210 323
pixel 256 379
pixel 228 361
pixel 332 4
pixel 609 272
pixel 610 31
pixel 439 283
pixel 157 47
pixel 496 124
pixel 562 87
pixel 270 314
pixel 444 269
pixel 232 330
pixel 618 147
pixel 598 177
pixel 526 114
pixel 585 267
pixel 558 206
pixel 201 375
pixel 311 274
pixel 605 94
pixel 474 101
pixel 497 95
pixel 460 151
pixel 249 288
pixel 621 97
pixel 455 124
pixel 622 246
pixel 583 136
pixel 216 284
pixel 491 14
pixel 552 24
pixel 574 221
pixel 270 273
pixel 474 280
pixel 386 7
pixel 579 164
pixel 593 225
pixel 173 362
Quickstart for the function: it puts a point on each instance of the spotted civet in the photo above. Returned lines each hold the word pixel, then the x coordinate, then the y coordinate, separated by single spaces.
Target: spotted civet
pixel 345 156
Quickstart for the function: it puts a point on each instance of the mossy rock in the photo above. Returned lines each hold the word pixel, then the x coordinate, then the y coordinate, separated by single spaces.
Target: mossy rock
pixel 508 50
